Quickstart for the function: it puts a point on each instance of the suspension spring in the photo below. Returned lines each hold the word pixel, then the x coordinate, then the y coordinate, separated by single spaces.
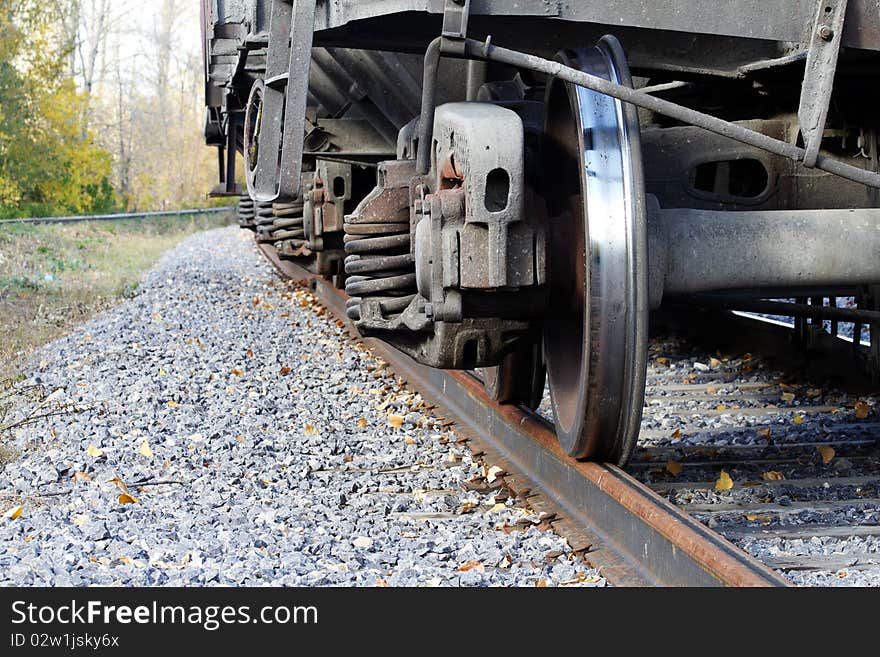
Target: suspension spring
pixel 379 264
pixel 245 211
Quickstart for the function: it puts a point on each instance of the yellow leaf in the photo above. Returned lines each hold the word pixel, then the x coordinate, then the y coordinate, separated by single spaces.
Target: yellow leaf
pixel 381 583
pixel 827 453
pixel 493 473
pixel 409 440
pixel 765 433
pixel 362 423
pixel 862 410
pixel 662 361
pixel 673 467
pixel 94 452
pixel 80 520
pixel 311 430
pixel 120 483
pixel 721 407
pixel 236 371
pixel 125 498
pixel 541 583
pixel 724 481
pixel 13 513
pixel 81 476
pixel 240 439
pixel 772 475
pixel 755 517
pixel 145 450
pixel 161 372
pixel 714 362
pixel 395 421
pixel 676 433
pixel 787 396
pixel 498 507
pixel 711 390
pixel 799 419
pixel 172 403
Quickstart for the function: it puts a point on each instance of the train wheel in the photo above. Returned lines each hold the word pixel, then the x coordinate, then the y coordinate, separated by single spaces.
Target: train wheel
pixel 595 333
pixel 519 379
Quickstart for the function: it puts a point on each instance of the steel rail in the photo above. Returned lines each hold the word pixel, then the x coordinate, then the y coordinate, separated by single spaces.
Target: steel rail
pixel 119 216
pixel 634 536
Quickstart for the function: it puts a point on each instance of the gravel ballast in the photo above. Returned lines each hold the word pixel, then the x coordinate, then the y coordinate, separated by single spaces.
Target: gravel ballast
pixel 231 433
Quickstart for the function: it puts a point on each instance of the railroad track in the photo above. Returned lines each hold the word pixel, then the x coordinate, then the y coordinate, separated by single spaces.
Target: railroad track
pixel 801 454
pixel 634 535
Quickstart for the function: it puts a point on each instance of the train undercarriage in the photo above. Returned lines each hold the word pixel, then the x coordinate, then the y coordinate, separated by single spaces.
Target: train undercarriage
pixel 515 189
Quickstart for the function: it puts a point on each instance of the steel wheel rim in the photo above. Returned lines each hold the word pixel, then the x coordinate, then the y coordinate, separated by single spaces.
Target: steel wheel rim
pixel 596 330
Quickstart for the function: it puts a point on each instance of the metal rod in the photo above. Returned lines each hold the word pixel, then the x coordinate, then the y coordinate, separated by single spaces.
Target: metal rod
pixel 486 51
pixel 803 310
pixel 115 217
pixel 426 119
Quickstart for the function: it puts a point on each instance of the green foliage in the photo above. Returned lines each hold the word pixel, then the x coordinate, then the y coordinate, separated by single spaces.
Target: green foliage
pixel 49 161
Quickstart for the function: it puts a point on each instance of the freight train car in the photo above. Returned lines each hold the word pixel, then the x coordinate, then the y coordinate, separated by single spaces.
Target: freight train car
pixel 514 186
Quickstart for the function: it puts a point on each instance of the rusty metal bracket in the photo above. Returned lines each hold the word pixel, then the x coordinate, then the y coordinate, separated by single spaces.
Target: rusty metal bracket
pixel 288 60
pixel 825 40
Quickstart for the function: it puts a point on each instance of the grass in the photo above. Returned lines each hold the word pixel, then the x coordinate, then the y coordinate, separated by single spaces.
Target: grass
pixel 55 276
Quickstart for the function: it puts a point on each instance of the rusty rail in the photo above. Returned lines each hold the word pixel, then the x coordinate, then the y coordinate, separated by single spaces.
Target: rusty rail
pixel 635 537
pixel 118 216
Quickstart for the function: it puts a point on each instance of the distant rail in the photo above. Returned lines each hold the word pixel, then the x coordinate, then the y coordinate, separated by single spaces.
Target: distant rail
pixel 115 217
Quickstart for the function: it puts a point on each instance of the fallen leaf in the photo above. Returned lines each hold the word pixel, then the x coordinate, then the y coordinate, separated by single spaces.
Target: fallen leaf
pixel 765 433
pixel 787 396
pixel 81 476
pixel 284 371
pixel 799 419
pixel 721 407
pixel 249 353
pixel 470 565
pixel 145 450
pixel 498 507
pixel 94 452
pixel 772 475
pixel 381 583
pixel 236 371
pixel 311 430
pixel 493 473
pixel 13 513
pixel 676 433
pixel 256 302
pixel 662 361
pixel 673 467
pixel 172 403
pixel 395 421
pixel 409 440
pixel 541 583
pixel 711 390
pixel 120 483
pixel 862 410
pixel 755 517
pixel 362 423
pixel 125 498
pixel 724 482
pixel 80 520
pixel 827 453
pixel 714 362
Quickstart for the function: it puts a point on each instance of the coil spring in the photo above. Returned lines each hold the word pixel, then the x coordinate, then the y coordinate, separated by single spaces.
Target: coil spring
pixel 264 216
pixel 379 265
pixel 245 211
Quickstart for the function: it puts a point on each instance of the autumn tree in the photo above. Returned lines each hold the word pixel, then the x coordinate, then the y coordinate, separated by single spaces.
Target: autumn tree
pixel 49 160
